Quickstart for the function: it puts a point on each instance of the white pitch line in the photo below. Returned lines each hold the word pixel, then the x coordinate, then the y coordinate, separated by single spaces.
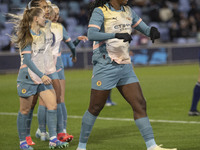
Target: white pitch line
pixel 114 119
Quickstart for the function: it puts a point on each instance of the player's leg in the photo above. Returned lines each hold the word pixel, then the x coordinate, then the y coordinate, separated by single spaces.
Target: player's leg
pixel 133 95
pixel 42 121
pixel 61 135
pixel 29 120
pixel 49 98
pixel 25 106
pixel 97 102
pixel 64 111
pixel 195 99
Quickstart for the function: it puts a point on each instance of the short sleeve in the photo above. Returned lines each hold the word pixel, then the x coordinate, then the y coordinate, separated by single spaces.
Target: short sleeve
pixel 136 19
pixel 96 19
pixel 26 50
pixel 66 37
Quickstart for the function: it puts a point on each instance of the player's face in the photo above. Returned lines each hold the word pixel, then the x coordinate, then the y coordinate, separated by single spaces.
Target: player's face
pixel 57 12
pixel 45 7
pixel 41 19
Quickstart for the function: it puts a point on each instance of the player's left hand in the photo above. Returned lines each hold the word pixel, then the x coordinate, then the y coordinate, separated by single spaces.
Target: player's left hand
pixel 154 34
pixel 82 38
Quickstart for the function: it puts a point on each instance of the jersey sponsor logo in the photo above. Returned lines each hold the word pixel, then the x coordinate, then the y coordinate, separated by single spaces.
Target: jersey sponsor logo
pixel 23 91
pixel 99 83
pixel 39 51
pixel 49 40
pixel 122 27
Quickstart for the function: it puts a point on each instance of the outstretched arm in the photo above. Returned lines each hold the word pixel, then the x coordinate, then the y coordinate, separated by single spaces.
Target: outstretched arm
pixel 80 38
pixel 139 25
pixel 70 44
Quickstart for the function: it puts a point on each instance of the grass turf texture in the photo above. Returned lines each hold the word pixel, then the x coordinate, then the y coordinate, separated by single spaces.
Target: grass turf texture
pixel 167 89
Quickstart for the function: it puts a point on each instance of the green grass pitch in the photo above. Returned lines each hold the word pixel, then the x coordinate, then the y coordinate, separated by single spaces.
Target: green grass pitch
pixel 167 89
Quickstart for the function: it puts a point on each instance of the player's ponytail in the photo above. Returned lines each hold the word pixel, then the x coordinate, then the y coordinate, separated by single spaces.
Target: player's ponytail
pixel 22 36
pixel 96 3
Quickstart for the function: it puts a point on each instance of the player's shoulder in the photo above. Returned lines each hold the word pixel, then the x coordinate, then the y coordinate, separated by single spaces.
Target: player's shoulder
pixel 127 8
pixel 56 25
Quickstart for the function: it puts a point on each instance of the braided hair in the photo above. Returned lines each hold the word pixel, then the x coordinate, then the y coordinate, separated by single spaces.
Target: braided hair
pixel 96 3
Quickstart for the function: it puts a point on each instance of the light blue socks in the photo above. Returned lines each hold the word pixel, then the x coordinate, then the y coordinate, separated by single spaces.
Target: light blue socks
pixel 86 128
pixel 64 113
pixel 41 115
pixel 60 119
pixel 22 126
pixel 29 120
pixel 146 130
pixel 52 122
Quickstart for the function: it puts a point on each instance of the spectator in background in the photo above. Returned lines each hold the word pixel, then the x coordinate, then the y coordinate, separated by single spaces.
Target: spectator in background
pixel 165 13
pixel 173 31
pixel 82 17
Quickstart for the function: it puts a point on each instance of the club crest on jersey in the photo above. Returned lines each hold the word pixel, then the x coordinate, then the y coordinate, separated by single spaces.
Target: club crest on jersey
pixel 99 83
pixel 23 91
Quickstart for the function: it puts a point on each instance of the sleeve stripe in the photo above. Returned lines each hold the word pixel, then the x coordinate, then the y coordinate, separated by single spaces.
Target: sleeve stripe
pixel 59 70
pixel 98 45
pixel 26 52
pixel 23 66
pixel 135 25
pixel 69 39
pixel 95 26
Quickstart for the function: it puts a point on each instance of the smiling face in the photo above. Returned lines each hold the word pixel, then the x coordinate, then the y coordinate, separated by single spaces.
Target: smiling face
pixel 57 13
pixel 45 7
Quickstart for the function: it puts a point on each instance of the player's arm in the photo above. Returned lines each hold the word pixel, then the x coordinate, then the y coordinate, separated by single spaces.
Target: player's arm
pixel 26 52
pixel 140 26
pixel 80 38
pixel 95 24
pixel 69 43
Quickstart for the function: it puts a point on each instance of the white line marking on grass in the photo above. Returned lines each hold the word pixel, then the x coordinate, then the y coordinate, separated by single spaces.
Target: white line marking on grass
pixel 114 119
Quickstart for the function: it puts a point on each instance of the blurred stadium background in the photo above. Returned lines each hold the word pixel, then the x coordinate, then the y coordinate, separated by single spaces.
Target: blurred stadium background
pixel 168 74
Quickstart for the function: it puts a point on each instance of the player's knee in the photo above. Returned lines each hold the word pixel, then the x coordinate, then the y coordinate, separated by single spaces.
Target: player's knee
pixel 52 106
pixel 25 111
pixel 95 110
pixel 140 105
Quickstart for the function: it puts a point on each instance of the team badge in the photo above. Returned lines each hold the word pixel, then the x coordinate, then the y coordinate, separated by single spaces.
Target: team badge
pixel 23 91
pixel 98 83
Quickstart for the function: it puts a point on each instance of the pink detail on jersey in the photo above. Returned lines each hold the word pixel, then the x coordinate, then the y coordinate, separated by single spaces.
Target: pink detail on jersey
pixel 69 39
pixel 23 66
pixel 59 70
pixel 98 45
pixel 95 26
pixel 26 52
pixel 135 25
pixel 59 54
